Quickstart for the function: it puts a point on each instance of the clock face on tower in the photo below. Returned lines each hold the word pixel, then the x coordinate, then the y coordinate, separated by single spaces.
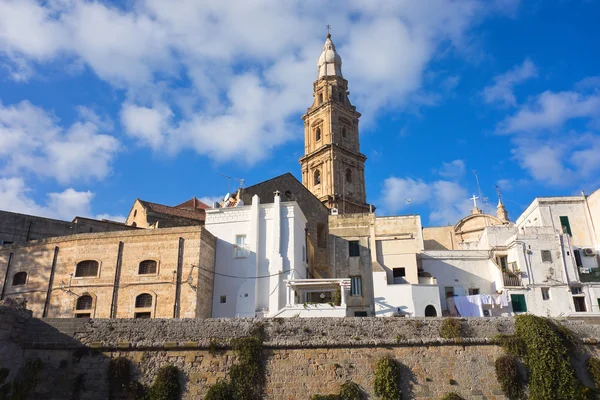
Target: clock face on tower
pixel 332 165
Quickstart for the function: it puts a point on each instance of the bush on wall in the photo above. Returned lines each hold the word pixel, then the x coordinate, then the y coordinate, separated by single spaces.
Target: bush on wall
pixel 166 384
pixel 387 379
pixel 348 391
pixel 507 372
pixel 451 328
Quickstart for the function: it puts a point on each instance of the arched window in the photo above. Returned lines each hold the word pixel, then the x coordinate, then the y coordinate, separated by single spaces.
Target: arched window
pixel 147 267
pixel 318 134
pixel 144 300
pixel 20 278
pixel 317 178
pixel 134 213
pixel 134 225
pixel 430 311
pixel 341 97
pixel 349 175
pixel 87 268
pixel 84 302
pixel 344 131
pixel 320 98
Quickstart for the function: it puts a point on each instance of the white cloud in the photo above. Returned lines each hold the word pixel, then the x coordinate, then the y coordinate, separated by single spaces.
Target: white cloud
pixel 31 140
pixel 249 65
pixel 448 201
pixel 210 200
pixel 453 169
pixel 502 89
pixel 15 197
pixel 109 217
pixel 551 110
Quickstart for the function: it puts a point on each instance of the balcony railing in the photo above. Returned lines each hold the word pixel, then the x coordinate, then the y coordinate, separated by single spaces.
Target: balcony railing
pixel 589 275
pixel 512 279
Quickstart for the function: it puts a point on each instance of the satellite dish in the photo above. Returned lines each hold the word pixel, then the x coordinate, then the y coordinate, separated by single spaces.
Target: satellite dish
pixel 227 196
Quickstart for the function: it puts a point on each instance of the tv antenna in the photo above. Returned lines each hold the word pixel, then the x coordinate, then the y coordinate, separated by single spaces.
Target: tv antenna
pixel 228 182
pixel 407 201
pixel 241 181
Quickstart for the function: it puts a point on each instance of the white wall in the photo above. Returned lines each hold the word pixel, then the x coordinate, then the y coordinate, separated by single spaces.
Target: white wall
pixel 403 298
pixel 275 240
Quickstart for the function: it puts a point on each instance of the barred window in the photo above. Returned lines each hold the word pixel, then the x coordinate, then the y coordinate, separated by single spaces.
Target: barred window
pixel 546 256
pixel 20 278
pixel 84 302
pixel 87 268
pixel 143 315
pixel 317 178
pixel 144 300
pixel 147 267
pixel 355 286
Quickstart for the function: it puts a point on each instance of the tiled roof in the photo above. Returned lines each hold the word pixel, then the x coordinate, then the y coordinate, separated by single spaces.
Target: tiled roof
pixel 174 211
pixel 193 203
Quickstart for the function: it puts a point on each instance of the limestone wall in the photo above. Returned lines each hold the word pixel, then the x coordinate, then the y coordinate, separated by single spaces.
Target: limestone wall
pixel 303 356
pixel 114 251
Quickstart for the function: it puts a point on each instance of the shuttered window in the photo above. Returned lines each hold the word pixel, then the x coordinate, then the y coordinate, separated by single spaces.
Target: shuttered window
pixel 518 302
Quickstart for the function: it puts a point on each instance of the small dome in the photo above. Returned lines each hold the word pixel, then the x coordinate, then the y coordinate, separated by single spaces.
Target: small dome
pixel 330 62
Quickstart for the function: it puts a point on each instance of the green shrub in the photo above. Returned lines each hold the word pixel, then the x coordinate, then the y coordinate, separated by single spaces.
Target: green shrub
pixel 546 354
pixel 337 296
pixel 221 390
pixel 387 379
pixel 325 397
pixel 593 368
pixel 166 384
pixel 117 376
pixel 512 344
pixel 507 373
pixel 452 396
pixel 246 379
pixel 451 328
pixel 350 391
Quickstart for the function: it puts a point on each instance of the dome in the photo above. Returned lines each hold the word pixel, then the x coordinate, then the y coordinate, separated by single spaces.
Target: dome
pixel 330 62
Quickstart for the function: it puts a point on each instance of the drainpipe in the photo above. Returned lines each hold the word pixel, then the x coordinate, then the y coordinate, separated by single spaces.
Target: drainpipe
pixel 564 260
pixel 10 256
pixel 50 283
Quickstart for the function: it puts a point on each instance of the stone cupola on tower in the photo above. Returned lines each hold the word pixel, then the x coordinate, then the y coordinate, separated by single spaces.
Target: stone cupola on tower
pixel 333 168
pixel 501 212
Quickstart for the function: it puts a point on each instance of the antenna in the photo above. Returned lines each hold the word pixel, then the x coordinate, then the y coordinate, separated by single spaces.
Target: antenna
pixel 228 182
pixel 499 193
pixel 407 201
pixel 241 181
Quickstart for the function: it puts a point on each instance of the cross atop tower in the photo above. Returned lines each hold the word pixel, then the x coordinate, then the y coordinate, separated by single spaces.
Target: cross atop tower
pixel 474 198
pixel 328 27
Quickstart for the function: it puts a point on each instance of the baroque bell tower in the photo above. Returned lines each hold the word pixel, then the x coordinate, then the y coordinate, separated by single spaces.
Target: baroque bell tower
pixel 333 168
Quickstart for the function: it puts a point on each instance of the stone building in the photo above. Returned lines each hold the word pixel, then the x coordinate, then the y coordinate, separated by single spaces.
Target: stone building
pixel 144 214
pixel 333 168
pixel 164 273
pixel 18 228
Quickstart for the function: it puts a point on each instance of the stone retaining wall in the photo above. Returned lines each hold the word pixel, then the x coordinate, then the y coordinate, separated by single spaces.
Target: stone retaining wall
pixel 303 356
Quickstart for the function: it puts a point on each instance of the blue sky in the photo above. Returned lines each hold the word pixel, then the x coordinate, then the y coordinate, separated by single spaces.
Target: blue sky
pixel 101 103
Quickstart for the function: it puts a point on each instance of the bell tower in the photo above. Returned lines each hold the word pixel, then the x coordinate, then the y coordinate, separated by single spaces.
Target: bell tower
pixel 333 168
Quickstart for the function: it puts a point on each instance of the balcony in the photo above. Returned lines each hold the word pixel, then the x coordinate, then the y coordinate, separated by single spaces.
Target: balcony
pixel 589 274
pixel 512 279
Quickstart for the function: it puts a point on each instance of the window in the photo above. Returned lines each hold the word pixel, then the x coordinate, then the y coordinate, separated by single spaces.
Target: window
pixel 223 299
pixel 144 300
pixel 318 134
pixel 577 254
pixel 320 98
pixel 579 303
pixel 349 175
pixel 20 278
pixel 360 313
pixel 449 290
pixel 317 178
pixel 576 290
pixel 240 246
pixel 545 293
pixel 502 262
pixel 147 267
pixel 546 256
pixel 354 248
pixel 134 213
pixel 83 315
pixel 355 286
pixel 430 311
pixel 143 315
pixel 321 235
pixel 84 302
pixel 87 268
pixel 341 97
pixel 473 292
pixel 344 131
pixel 566 227
pixel 518 302
pixel 399 274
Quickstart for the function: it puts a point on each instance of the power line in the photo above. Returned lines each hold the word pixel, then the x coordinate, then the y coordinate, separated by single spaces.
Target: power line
pixel 244 277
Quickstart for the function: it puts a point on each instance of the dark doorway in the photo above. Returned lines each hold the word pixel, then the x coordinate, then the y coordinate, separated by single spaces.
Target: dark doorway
pixel 579 304
pixel 430 311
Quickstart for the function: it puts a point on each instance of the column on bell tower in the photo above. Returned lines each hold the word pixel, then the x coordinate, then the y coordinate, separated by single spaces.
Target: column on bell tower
pixel 332 165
